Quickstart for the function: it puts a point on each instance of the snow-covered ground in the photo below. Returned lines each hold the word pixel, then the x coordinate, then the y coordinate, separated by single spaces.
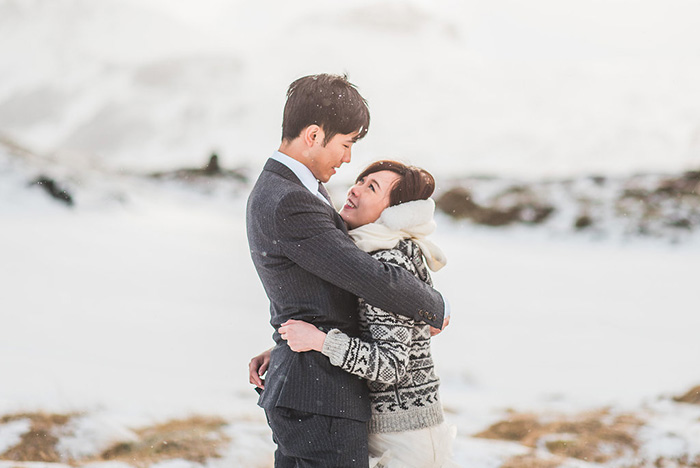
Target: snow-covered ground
pixel 141 304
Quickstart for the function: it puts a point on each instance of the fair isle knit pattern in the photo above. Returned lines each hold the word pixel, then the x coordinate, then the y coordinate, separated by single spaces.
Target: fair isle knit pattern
pixel 393 354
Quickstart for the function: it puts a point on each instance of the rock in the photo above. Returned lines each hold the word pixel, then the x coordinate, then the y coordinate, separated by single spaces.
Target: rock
pixel 515 205
pixel 52 188
pixel 213 166
pixel 583 221
pixel 457 202
pixel 211 169
pixel 692 397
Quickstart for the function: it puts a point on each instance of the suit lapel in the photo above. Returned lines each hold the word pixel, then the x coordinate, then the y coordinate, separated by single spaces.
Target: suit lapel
pixel 282 170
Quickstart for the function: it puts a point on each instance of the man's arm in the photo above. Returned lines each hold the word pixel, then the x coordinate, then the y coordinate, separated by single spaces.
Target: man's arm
pixel 309 237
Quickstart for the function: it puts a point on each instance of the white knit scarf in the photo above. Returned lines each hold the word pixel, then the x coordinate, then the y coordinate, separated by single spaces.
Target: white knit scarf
pixel 411 220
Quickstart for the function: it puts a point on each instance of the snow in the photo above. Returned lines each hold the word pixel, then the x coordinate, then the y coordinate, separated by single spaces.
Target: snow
pixel 140 303
pixel 148 309
pixel 11 433
pixel 528 89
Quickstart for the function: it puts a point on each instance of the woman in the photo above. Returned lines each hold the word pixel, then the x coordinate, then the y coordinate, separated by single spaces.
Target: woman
pixel 389 213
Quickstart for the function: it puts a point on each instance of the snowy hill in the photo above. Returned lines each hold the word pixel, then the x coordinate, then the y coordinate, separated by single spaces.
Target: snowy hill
pixel 554 88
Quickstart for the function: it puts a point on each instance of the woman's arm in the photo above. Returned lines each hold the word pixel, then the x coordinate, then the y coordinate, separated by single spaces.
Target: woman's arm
pixel 301 336
pixel 383 357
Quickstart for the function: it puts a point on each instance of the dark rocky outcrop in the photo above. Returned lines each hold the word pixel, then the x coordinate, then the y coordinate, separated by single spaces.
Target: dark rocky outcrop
pixel 650 205
pixel 212 169
pixel 53 189
pixel 516 205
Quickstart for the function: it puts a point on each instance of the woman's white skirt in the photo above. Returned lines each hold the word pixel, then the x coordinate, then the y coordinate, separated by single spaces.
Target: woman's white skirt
pixel 430 447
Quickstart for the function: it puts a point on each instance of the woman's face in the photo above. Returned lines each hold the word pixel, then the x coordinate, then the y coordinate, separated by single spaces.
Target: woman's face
pixel 368 198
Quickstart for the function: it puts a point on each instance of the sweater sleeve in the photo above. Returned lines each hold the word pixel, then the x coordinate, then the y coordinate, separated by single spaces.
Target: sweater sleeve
pixel 382 354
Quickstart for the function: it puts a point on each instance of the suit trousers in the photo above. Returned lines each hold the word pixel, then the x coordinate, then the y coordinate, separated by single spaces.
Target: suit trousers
pixel 307 440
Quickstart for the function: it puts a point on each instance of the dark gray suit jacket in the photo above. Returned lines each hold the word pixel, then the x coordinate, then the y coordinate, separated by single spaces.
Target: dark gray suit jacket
pixel 312 271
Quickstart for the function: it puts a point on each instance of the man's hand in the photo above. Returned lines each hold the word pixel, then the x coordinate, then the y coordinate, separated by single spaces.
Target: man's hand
pixel 302 336
pixel 434 331
pixel 257 368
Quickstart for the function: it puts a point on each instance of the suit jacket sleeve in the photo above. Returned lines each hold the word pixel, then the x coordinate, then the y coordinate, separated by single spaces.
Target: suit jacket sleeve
pixel 382 353
pixel 308 236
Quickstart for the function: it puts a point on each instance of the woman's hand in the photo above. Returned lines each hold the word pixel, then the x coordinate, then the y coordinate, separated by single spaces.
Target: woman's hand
pixel 435 331
pixel 302 336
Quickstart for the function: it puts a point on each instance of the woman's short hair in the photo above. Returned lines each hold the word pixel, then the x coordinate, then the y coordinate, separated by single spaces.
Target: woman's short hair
pixel 414 183
pixel 329 101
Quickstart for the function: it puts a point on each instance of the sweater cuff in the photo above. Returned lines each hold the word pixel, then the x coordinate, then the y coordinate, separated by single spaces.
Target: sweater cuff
pixel 336 346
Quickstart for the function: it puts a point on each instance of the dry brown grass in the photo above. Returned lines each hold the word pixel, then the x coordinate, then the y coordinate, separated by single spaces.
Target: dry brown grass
pixel 693 396
pixel 594 436
pixel 678 462
pixel 530 461
pixel 517 428
pixel 39 444
pixel 196 439
pixel 667 462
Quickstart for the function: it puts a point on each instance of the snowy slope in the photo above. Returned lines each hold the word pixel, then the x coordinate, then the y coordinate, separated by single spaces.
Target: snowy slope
pixel 528 89
pixel 140 303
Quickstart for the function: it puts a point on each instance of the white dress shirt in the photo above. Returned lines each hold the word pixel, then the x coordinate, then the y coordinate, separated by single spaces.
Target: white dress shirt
pixel 302 172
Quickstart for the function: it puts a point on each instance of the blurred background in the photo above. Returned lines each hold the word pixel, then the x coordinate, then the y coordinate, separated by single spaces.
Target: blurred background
pixel 565 139
pixel 535 88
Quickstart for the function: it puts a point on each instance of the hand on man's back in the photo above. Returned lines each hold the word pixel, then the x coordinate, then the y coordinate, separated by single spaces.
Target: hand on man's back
pixel 436 331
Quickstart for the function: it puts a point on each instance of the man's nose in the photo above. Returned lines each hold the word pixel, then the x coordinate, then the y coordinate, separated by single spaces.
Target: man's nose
pixel 347 156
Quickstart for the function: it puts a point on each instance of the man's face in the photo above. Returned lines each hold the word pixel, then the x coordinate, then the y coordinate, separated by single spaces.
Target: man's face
pixel 324 160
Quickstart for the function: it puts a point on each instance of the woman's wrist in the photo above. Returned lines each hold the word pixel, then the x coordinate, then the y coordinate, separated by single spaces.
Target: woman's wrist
pixel 319 341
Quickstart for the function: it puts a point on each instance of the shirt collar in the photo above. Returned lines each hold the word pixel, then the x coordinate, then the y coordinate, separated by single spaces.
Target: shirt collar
pixel 302 172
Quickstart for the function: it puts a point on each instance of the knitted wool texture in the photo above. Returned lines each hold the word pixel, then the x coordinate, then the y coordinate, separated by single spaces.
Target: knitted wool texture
pixel 392 351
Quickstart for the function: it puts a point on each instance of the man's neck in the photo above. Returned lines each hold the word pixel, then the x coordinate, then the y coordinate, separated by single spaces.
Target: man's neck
pixel 294 151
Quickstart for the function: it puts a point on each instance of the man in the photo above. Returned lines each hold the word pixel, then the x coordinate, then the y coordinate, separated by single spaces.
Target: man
pixel 312 271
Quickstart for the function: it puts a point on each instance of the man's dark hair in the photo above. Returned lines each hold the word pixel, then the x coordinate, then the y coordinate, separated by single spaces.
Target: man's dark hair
pixel 329 101
pixel 414 183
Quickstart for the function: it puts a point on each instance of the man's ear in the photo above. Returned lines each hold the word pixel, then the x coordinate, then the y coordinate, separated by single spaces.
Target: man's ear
pixel 312 135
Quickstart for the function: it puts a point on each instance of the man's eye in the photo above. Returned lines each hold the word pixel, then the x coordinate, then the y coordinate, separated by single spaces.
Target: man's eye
pixel 371 187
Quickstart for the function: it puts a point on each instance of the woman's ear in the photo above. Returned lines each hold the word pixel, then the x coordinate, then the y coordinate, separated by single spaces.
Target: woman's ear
pixel 312 135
